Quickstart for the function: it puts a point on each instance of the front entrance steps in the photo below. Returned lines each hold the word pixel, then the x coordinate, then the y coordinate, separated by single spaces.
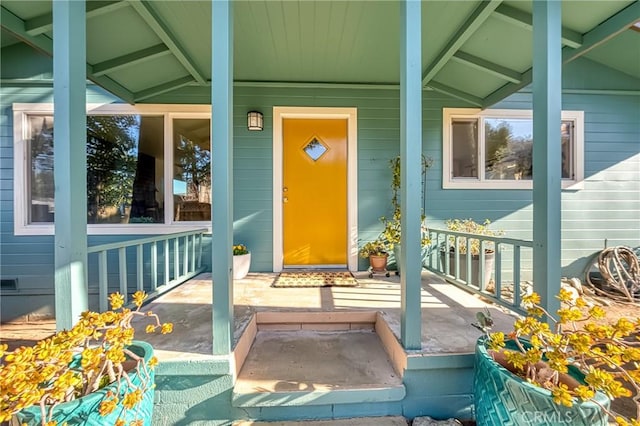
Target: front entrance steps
pixel 360 421
pixel 316 359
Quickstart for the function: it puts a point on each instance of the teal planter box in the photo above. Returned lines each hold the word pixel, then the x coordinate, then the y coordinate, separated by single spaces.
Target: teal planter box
pixel 84 411
pixel 502 398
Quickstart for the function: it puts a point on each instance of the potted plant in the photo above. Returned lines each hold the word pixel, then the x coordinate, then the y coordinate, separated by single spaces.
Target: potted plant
pixel 94 373
pixel 376 252
pixel 469 226
pixel 562 370
pixel 241 261
pixel 391 226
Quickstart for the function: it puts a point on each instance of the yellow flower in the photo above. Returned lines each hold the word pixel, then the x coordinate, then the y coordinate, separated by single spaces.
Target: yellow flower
pixel 496 340
pixel 584 392
pixel 139 297
pixel 531 299
pixel 624 327
pixel 119 422
pixel 565 295
pixel 136 423
pixel 132 399
pixel 153 362
pixel 569 315
pixel 621 422
pixel 561 395
pixel 116 300
pixel 616 390
pixel 107 406
pixel 597 312
pixel 167 328
pixel 598 378
pixel 150 328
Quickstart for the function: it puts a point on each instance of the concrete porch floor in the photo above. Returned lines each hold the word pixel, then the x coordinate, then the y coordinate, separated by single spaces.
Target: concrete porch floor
pixel 447 311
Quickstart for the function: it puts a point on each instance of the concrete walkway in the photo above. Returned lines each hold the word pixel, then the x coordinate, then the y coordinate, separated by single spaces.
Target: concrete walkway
pixel 447 311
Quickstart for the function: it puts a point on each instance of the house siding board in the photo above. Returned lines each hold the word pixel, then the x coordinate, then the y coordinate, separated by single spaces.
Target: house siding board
pixel 611 193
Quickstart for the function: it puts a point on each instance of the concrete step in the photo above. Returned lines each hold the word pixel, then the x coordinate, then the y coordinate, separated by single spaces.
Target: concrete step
pixel 359 421
pixel 298 368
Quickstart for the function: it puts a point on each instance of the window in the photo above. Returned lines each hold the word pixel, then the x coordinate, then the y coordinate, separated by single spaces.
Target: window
pixel 493 149
pixel 130 152
pixel 191 169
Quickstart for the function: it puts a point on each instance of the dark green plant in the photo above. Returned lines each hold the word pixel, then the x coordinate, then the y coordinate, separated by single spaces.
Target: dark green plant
pixel 391 233
pixel 374 248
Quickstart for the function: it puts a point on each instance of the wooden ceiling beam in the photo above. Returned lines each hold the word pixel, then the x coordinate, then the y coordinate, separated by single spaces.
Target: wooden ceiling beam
pixel 488 67
pixel 16 27
pixel 151 17
pixel 459 94
pixel 470 26
pixel 163 88
pixel 613 26
pixel 130 59
pixel 524 20
pixel 44 23
pixel 604 32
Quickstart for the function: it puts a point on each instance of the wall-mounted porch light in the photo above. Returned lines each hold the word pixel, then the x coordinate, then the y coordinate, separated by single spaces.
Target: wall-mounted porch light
pixel 254 120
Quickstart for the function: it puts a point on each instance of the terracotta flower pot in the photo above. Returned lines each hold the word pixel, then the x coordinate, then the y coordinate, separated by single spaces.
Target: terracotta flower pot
pixel 378 263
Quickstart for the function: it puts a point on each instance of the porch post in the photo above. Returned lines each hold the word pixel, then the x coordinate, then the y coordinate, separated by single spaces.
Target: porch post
pixel 222 174
pixel 411 178
pixel 70 171
pixel 547 109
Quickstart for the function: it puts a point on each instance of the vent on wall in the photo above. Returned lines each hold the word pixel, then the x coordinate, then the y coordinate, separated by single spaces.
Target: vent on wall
pixel 8 284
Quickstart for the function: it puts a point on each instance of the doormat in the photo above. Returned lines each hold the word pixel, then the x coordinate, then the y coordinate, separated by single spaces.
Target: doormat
pixel 315 279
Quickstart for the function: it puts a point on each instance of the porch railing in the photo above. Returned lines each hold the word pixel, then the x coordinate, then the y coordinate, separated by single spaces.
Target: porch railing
pixel 499 272
pixel 180 259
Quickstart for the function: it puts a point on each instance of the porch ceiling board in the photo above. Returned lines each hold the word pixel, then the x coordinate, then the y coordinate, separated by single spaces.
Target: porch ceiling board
pixel 619 22
pixel 330 42
pixel 472 49
pixel 442 88
pixel 130 59
pixel 524 20
pixel 16 27
pixel 475 20
pixel 163 88
pixel 613 26
pixel 487 66
pixel 44 23
pixel 146 12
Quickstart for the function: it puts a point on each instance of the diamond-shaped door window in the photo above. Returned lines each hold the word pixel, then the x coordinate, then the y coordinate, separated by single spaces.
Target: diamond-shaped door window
pixel 314 149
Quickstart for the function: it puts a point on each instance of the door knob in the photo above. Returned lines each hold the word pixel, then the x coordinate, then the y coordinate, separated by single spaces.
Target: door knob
pixel 285 199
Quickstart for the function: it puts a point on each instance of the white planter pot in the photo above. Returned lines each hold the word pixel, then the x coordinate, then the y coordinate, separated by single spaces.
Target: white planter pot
pixel 241 264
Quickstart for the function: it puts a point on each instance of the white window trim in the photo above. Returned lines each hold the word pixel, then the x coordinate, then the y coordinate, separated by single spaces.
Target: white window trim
pixel 478 183
pixel 21 170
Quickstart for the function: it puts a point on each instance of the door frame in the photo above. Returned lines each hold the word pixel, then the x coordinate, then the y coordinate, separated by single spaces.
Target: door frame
pixel 351 115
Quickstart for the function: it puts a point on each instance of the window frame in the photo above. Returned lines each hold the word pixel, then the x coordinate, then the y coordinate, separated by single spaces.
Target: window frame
pixel 21 168
pixel 448 182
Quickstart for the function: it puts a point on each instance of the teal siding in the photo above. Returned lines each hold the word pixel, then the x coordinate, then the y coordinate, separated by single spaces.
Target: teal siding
pixel 608 208
pixel 190 397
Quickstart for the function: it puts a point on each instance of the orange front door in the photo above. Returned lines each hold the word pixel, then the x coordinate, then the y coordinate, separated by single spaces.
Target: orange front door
pixel 314 192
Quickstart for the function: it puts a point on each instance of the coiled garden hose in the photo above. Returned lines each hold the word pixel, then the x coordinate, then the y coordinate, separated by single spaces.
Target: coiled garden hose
pixel 620 270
